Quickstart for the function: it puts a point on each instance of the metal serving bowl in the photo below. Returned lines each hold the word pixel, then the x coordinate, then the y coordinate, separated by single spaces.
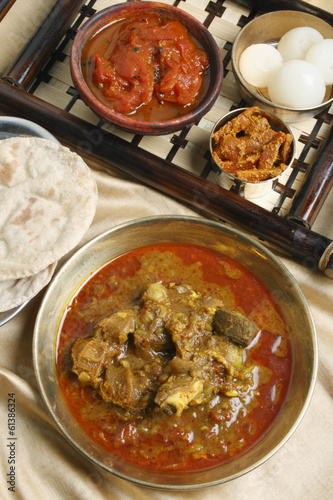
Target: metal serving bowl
pixel 269 28
pixel 126 122
pixel 247 189
pixel 218 237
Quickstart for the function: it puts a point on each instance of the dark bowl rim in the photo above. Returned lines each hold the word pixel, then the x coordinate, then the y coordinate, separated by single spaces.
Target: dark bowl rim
pixel 124 122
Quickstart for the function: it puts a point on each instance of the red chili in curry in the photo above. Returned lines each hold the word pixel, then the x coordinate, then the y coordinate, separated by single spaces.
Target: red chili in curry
pixel 146 66
pixel 216 426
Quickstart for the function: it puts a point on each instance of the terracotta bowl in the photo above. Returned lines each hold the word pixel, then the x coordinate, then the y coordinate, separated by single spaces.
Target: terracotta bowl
pixel 269 28
pixel 126 122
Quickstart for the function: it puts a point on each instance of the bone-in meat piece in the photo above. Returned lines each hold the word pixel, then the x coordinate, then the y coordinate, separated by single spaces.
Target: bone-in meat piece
pixel 88 357
pixel 177 393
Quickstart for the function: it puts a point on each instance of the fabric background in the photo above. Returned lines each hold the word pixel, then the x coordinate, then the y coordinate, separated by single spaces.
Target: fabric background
pixel 49 468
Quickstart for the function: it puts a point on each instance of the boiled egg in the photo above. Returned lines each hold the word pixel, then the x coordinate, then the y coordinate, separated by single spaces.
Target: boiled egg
pixel 256 63
pixel 296 84
pixel 321 55
pixel 296 42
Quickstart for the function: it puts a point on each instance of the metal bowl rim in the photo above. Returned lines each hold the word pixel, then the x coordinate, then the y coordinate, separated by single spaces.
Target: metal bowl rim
pixel 222 228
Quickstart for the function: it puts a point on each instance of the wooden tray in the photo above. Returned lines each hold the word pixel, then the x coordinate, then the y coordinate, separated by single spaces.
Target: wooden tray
pixel 38 87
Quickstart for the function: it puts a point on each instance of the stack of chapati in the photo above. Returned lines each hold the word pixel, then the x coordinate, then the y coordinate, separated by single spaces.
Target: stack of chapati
pixel 48 200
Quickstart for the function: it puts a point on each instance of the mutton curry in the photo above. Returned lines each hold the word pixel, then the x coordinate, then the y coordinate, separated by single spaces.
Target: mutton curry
pixel 174 357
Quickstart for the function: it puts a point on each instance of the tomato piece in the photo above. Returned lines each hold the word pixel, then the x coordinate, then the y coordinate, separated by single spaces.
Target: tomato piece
pixel 147 62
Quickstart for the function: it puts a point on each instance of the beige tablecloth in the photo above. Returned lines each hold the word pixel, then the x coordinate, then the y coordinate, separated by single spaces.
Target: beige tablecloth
pixel 48 467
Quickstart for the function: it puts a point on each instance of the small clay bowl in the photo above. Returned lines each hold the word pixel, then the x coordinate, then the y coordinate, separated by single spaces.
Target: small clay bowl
pixel 269 28
pixel 126 122
pixel 247 189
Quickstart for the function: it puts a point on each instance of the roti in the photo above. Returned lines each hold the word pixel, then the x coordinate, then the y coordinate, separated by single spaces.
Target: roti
pixel 15 292
pixel 48 199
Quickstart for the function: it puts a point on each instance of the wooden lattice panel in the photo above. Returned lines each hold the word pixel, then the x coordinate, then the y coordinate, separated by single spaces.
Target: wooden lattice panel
pixel 190 149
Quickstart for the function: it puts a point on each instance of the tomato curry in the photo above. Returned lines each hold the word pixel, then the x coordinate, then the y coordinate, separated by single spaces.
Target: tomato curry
pixel 150 371
pixel 146 66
